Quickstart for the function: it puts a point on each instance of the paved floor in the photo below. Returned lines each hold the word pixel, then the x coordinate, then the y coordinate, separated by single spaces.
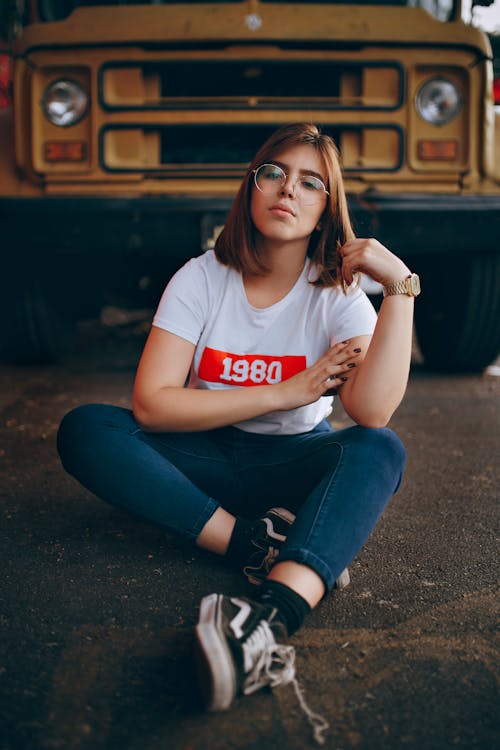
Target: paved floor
pixel 97 608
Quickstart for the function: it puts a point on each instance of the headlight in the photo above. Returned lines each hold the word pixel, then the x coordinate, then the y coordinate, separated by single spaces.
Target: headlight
pixel 65 102
pixel 438 101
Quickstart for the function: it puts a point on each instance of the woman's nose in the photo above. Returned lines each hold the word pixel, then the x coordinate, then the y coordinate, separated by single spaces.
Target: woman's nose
pixel 288 188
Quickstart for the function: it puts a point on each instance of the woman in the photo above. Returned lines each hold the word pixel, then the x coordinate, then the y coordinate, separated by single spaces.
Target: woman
pixel 267 327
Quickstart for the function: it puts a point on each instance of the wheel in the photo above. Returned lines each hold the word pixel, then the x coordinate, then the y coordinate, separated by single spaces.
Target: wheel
pixel 41 329
pixel 457 316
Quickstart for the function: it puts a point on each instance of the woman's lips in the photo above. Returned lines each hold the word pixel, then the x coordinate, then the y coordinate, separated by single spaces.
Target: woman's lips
pixel 282 209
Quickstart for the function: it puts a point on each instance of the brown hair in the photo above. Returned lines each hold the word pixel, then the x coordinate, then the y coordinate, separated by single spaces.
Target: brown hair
pixel 236 245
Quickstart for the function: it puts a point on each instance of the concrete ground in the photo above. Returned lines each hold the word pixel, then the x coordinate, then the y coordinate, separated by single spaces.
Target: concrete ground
pixel 97 608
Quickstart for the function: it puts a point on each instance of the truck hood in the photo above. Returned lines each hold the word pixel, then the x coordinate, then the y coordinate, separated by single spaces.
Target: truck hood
pixel 232 24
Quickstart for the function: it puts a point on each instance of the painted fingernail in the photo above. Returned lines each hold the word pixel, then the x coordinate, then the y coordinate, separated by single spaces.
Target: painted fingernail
pixel 351 364
pixel 357 350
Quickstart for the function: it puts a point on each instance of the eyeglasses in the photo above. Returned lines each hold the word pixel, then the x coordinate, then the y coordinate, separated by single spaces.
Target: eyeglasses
pixel 269 178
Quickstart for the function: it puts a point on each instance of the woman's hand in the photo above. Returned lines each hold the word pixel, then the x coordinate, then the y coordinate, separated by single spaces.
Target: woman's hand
pixel 369 256
pixel 323 378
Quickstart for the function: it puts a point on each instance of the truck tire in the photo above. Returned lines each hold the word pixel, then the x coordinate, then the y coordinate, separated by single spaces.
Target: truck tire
pixel 457 317
pixel 40 328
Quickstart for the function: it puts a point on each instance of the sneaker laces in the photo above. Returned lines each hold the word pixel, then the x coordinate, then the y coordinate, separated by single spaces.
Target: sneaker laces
pixel 271 663
pixel 267 662
pixel 319 724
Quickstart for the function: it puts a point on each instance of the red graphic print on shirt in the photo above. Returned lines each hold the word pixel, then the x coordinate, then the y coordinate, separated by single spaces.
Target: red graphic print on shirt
pixel 248 369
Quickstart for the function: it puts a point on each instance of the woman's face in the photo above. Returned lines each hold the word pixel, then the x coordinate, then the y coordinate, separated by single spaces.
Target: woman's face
pixel 283 214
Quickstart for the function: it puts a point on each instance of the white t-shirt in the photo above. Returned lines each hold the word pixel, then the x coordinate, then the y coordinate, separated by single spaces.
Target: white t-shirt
pixel 240 346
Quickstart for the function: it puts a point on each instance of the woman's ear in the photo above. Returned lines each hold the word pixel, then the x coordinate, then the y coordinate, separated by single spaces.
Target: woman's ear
pixel 318 226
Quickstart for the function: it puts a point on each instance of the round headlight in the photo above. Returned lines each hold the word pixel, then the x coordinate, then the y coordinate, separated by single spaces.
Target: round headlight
pixel 65 102
pixel 438 101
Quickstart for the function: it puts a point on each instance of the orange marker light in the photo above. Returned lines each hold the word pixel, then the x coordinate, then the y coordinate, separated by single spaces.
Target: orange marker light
pixel 65 151
pixel 437 150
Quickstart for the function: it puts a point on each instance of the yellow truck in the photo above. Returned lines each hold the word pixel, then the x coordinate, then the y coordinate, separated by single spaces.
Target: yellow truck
pixel 132 125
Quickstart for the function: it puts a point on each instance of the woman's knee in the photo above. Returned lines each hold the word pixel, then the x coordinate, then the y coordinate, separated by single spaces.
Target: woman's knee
pixel 84 423
pixel 79 419
pixel 390 443
pixel 376 438
pixel 387 450
pixel 378 446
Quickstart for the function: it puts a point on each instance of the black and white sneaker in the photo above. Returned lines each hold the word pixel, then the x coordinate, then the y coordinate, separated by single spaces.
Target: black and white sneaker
pixel 240 649
pixel 271 533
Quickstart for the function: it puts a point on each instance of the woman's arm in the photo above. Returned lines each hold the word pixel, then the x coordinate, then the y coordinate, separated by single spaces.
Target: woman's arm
pixel 377 386
pixel 161 403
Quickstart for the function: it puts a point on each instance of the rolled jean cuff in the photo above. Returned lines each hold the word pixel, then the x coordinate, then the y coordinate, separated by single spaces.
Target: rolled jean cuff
pixel 202 520
pixel 306 557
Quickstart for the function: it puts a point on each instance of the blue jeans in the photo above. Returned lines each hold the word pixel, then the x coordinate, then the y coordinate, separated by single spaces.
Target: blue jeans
pixel 336 482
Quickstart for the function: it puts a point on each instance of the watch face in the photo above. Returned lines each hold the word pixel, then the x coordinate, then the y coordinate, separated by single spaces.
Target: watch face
pixel 415 284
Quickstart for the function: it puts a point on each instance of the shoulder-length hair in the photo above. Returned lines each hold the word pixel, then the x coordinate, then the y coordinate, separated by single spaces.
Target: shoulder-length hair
pixel 236 246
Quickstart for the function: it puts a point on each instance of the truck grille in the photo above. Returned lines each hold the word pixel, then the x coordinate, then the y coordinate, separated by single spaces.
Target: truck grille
pixel 226 149
pixel 193 117
pixel 251 84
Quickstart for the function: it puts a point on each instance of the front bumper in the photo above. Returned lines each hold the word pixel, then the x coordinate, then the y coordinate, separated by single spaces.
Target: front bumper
pixel 176 228
pixel 418 224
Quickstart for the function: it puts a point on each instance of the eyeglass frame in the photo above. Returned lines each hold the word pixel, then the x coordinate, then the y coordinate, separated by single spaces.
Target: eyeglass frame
pixel 271 164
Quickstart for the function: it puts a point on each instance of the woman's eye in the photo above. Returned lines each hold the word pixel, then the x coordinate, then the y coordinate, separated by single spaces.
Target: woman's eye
pixel 273 175
pixel 309 184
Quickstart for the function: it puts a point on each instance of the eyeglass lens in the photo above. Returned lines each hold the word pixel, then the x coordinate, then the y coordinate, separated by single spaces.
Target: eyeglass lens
pixel 270 177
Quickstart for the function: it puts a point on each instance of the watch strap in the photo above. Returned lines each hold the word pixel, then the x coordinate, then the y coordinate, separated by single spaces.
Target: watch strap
pixel 409 286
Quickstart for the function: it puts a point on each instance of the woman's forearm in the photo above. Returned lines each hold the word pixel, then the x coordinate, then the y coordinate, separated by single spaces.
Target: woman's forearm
pixel 161 403
pixel 176 409
pixel 379 386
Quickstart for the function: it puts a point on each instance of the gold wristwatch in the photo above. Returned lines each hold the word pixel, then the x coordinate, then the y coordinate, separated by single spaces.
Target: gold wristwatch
pixel 410 286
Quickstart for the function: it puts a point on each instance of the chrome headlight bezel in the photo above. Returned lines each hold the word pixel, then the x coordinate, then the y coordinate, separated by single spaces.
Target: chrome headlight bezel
pixel 70 97
pixel 438 101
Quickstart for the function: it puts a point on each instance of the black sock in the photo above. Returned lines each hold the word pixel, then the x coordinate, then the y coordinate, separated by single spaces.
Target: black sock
pixel 292 607
pixel 240 545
